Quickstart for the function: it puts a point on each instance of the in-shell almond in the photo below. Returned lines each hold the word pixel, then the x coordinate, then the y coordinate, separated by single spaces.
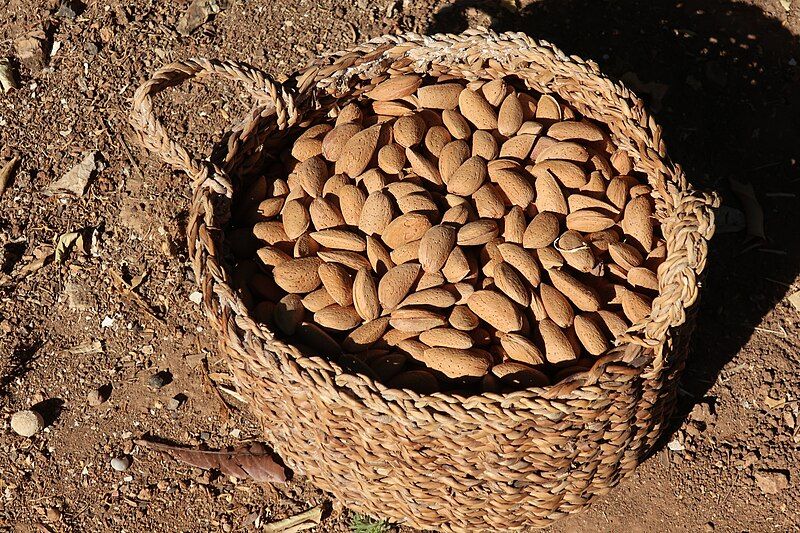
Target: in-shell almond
pixel 312 173
pixel 318 299
pixel 420 202
pixel 405 253
pixel 614 323
pixel 365 335
pixel 452 157
pixel 365 296
pixel 474 107
pixel 376 213
pixel 566 150
pixel 576 251
pixel 495 91
pixel 391 158
pixel 325 214
pixel 635 306
pixel 289 313
pixel 568 173
pixel 418 320
pixel 556 305
pixel 518 147
pixel 439 96
pixel 404 229
pixel 436 139
pixel 582 295
pixel 514 225
pixel 547 108
pixel 358 151
pixel 378 256
pixel 430 279
pixel 409 130
pixel 349 113
pixel 395 88
pixel 571 129
pixel 477 233
pixel 432 297
pixel 296 219
pixel 337 317
pixel 522 261
pixel 522 349
pixel 338 282
pixel 511 284
pixel 542 231
pixel 351 202
pixel 496 309
pixel 446 338
pixel 272 256
pixel 643 277
pixel 557 347
pixel 339 239
pixel 517 189
pixel 518 375
pixel 484 145
pixel 344 257
pixel 335 140
pixel 423 167
pixel 549 196
pixel 590 334
pixel 395 285
pixel 468 178
pixel 298 276
pixel 589 220
pixel 625 255
pixel 456 267
pixel 489 202
pixel 435 247
pixel 511 116
pixel 463 319
pixel 455 363
pixel 637 221
pixel 456 124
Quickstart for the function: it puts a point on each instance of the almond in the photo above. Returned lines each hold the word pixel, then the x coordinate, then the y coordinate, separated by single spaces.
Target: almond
pixel 325 214
pixel 376 213
pixel 542 231
pixel 571 129
pixel 529 127
pixel 398 189
pixel 468 178
pixel 617 191
pixel 556 306
pixel 520 376
pixel 557 346
pixel 388 110
pixel 338 282
pixel 600 240
pixel 395 285
pixel 458 214
pixel 542 143
pixel 595 187
pixel 576 202
pixel 522 260
pixel 565 150
pixel 306 148
pixel 429 280
pixel 514 225
pixel 474 107
pixel 522 349
pixel 537 307
pixel 408 252
pixel 590 335
pixel 547 108
pixel 365 296
pixel 436 139
pixel 413 347
pixel 378 256
pixel 488 201
pixel 335 140
pixel 339 239
pixel 511 116
pixel 315 338
pixel 358 151
pixel 584 297
pixel 589 220
pixel 417 320
pixel 272 256
pixel 270 207
pixel 439 96
pixel 409 130
pixel 568 173
pixel 435 247
pixel 334 184
pixel 453 155
pixel 456 267
pixel 296 219
pixel 495 309
pixel 637 221
pixel 615 324
pixel 484 145
pixel 349 259
pixel 365 335
pixel 393 337
pixel 389 365
pixel 517 189
pixel 392 158
pixel 511 284
pixel 349 113
pixel 289 313
pixel 312 174
pixel 518 147
pixel 621 162
pixel 418 202
pixel 351 201
pixel 550 258
pixel 316 131
pixel 419 381
pixel 372 180
pixel 625 255
pixel 456 124
pixel 463 319
pixel 446 338
pixel 395 88
pixel 643 277
pixel 549 196
pixel 576 251
pixel 635 306
pixel 477 233
pixel 423 166
pixel 404 229
pixel 495 91
pixel 337 317
pixel 316 300
pixel 640 190
pixel 433 297
pixel 298 276
pixel 455 363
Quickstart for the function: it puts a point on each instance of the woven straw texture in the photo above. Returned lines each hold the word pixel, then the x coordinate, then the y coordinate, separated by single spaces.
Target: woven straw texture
pixel 488 462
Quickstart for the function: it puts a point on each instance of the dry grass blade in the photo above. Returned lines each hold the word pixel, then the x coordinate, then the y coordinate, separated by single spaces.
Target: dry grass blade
pixel 246 462
pixel 305 520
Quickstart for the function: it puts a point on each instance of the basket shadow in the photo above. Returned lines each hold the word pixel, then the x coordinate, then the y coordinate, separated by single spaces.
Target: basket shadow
pixel 723 81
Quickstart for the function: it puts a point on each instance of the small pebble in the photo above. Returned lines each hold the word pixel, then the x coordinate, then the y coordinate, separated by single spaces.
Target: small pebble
pixel 53 514
pixel 159 380
pixel 173 404
pixel 27 423
pixel 95 397
pixel 121 464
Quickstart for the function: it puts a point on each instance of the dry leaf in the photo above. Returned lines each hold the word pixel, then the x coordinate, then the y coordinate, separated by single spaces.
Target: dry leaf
pixel 246 462
pixel 794 299
pixel 752 209
pixel 7 173
pixel 64 244
pixel 305 520
pixel 76 180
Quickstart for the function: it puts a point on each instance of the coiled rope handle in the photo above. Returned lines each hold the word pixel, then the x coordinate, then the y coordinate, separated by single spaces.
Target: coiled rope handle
pixel 151 134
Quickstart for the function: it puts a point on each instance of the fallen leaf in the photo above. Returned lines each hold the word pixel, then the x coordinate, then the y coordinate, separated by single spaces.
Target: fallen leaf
pixel 64 244
pixel 794 299
pixel 196 15
pixel 8 76
pixel 7 173
pixel 729 220
pixel 246 462
pixel 30 50
pixel 772 481
pixel 76 180
pixel 300 522
pixel 752 209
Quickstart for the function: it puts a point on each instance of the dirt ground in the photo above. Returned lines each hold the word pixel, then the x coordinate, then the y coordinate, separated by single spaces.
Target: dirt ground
pixel 723 78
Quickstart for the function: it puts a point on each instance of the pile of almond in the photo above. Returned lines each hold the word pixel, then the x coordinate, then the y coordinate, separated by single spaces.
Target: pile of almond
pixel 444 235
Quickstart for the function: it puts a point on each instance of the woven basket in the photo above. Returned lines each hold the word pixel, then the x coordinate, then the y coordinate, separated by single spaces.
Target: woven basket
pixel 486 462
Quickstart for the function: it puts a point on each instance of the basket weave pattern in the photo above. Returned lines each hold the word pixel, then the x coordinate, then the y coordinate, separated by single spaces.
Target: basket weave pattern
pixel 486 462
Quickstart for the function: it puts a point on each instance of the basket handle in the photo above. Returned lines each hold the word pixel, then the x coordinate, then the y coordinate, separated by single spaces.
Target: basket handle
pixel 150 132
